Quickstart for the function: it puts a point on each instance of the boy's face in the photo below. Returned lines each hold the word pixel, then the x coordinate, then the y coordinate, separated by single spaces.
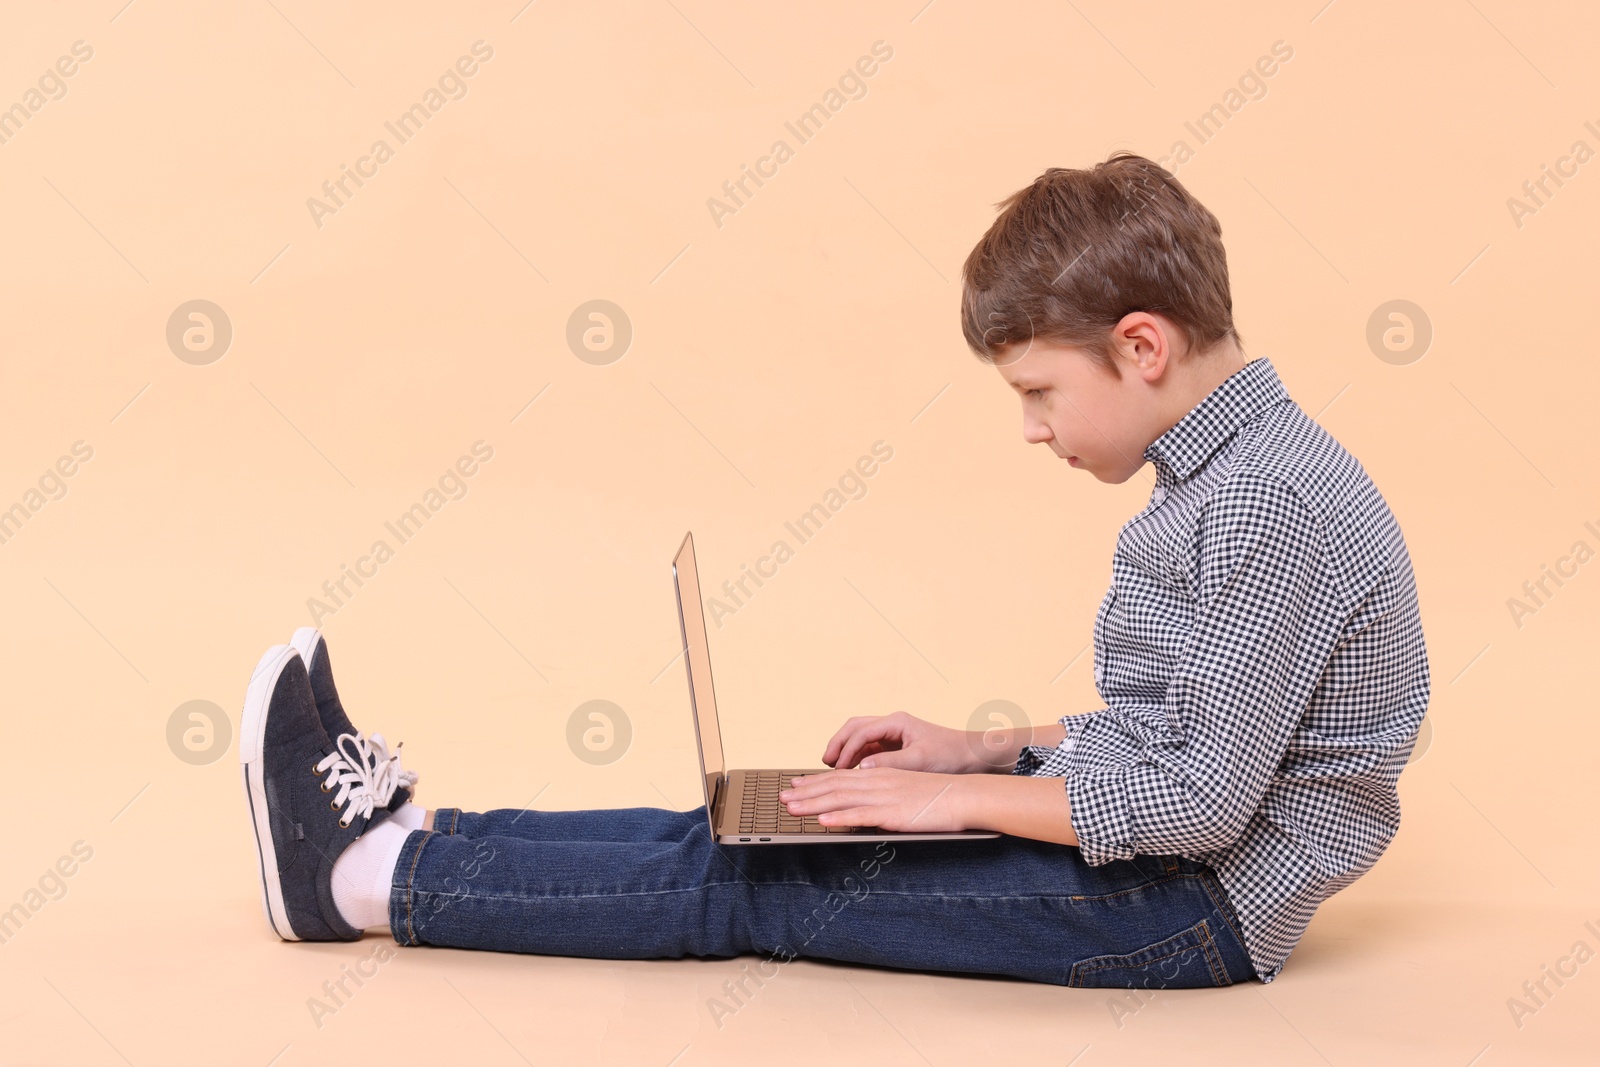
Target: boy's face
pixel 1094 421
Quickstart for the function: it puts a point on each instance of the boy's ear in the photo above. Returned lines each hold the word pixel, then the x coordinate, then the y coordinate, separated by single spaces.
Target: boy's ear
pixel 1142 339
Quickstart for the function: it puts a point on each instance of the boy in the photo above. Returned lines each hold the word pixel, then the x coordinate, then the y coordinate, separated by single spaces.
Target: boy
pixel 1259 653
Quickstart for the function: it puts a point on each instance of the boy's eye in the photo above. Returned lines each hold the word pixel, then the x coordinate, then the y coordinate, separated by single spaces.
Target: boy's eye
pixel 1034 394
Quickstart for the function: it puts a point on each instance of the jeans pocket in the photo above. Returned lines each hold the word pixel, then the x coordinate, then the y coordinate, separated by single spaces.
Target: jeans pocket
pixel 1186 960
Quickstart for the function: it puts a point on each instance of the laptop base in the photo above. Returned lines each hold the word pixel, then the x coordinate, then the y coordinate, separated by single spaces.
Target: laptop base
pixel 748 812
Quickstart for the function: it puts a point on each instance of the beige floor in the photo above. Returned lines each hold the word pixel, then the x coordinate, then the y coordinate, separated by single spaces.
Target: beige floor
pixel 1389 159
pixel 1376 981
pixel 181 969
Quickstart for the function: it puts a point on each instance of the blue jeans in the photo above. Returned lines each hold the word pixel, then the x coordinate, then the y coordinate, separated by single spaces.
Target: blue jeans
pixel 647 883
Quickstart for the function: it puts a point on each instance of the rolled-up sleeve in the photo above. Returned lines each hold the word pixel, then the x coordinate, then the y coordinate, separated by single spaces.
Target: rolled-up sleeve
pixel 1186 774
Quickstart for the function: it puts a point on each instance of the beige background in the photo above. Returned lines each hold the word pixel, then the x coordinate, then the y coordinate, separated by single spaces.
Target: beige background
pixel 768 354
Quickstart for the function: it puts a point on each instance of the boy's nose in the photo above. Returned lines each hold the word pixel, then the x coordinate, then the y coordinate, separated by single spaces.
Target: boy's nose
pixel 1035 433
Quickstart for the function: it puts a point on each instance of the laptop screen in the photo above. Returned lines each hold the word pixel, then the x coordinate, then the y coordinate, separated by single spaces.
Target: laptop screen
pixel 697 656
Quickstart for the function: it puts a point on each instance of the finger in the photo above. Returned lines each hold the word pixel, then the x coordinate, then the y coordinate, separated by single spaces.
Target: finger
pixel 859 816
pixel 892 757
pixel 882 729
pixel 815 785
pixel 870 748
pixel 808 785
pixel 823 798
pixel 832 799
pixel 831 754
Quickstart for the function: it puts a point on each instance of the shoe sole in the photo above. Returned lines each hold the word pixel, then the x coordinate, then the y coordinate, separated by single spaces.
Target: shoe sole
pixel 252 743
pixel 303 642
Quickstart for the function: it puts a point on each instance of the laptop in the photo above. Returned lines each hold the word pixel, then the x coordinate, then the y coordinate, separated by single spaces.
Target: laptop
pixel 742 806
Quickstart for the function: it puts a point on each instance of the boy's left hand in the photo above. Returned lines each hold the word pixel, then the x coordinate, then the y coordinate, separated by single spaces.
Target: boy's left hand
pixel 885 797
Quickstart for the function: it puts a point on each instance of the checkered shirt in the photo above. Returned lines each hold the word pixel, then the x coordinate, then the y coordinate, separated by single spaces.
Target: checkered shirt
pixel 1261 659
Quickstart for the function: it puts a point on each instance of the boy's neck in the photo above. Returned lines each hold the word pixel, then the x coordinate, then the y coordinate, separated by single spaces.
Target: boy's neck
pixel 1191 378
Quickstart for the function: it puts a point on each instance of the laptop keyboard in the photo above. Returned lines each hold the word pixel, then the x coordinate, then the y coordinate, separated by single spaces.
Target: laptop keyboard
pixel 761 812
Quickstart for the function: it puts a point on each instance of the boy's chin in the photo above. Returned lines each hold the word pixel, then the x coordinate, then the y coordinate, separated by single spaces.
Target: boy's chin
pixel 1111 477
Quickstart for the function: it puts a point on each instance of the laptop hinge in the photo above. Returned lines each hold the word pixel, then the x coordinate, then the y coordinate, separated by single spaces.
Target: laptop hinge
pixel 718 799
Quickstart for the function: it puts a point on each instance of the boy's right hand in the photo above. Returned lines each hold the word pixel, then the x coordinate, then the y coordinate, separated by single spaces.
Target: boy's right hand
pixel 904 741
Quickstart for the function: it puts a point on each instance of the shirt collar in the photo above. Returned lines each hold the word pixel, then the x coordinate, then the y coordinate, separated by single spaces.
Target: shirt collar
pixel 1194 438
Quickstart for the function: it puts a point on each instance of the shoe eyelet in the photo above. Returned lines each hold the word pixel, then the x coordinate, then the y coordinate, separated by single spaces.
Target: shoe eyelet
pixel 316 768
pixel 343 825
pixel 326 788
pixel 333 805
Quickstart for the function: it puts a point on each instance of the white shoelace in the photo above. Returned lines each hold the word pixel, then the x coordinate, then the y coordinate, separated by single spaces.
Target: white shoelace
pixel 365 774
pixel 388 774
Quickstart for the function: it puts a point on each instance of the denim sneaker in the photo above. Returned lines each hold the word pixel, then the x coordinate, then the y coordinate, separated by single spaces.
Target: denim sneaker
pixel 388 774
pixel 306 798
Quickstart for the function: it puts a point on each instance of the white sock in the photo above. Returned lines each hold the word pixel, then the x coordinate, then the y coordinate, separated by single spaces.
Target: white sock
pixel 364 872
pixel 409 815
